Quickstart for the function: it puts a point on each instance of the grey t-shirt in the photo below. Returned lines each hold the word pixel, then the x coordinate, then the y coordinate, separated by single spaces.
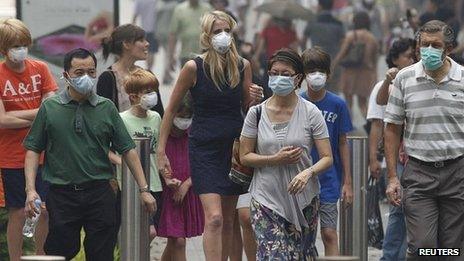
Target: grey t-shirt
pixel 269 184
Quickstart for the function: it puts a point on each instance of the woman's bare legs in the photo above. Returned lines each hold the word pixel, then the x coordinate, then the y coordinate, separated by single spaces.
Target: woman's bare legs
pixel 249 241
pixel 219 222
pixel 237 247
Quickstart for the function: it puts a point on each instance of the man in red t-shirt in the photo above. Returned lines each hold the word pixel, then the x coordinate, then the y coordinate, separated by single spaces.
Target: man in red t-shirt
pixel 24 84
pixel 279 33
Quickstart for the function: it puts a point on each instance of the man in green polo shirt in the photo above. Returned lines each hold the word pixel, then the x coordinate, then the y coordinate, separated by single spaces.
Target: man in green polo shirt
pixel 76 128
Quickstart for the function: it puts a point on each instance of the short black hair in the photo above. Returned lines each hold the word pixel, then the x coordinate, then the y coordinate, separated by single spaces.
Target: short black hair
pixel 79 53
pixel 361 20
pixel 326 4
pixel 316 58
pixel 398 47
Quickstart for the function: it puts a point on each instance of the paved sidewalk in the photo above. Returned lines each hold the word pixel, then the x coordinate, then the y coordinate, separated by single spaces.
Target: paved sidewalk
pixel 195 245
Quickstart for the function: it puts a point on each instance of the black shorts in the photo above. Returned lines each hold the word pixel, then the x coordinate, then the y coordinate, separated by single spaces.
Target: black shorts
pixel 14 183
pixel 154 44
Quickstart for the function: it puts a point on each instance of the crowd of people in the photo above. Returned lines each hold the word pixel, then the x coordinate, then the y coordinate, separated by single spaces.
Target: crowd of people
pixel 242 155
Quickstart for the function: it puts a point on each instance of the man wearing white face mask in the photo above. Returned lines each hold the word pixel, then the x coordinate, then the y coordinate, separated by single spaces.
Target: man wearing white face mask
pixel 75 130
pixel 24 84
pixel 336 181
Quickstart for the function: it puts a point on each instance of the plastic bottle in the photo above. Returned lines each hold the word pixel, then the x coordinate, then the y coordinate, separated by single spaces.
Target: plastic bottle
pixel 31 223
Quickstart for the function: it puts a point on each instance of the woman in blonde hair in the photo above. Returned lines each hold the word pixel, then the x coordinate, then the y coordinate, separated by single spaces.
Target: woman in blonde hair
pixel 219 81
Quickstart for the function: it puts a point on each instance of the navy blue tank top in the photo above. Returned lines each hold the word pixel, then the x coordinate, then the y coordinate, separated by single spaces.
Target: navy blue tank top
pixel 216 112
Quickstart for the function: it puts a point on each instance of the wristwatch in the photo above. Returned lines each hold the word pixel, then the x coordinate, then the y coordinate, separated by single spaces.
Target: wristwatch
pixel 144 189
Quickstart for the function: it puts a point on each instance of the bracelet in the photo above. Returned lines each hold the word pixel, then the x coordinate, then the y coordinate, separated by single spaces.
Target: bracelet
pixel 311 172
pixel 144 189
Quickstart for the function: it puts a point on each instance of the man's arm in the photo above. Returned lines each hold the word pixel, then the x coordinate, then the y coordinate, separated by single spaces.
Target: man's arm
pixel 133 162
pixel 384 91
pixel 30 170
pixel 347 191
pixel 375 137
pixel 392 144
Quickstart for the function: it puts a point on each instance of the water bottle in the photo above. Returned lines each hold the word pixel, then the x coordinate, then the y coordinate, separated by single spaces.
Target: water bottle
pixel 31 223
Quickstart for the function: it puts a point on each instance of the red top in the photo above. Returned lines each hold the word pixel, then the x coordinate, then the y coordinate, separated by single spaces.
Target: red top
pixel 21 91
pixel 277 38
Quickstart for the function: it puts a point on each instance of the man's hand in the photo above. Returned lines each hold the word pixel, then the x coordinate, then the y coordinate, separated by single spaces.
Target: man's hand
pixel 394 191
pixel 391 74
pixel 180 193
pixel 347 194
pixel 148 202
pixel 374 167
pixel 30 207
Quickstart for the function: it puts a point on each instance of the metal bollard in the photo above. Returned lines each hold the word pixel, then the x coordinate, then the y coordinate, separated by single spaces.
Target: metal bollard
pixel 353 219
pixel 42 258
pixel 135 243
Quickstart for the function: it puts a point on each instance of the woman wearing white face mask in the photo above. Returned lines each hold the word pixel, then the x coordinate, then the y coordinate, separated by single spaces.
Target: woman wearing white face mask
pixel 24 84
pixel 277 139
pixel 220 83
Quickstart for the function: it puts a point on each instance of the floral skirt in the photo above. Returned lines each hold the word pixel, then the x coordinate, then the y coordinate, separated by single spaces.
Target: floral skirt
pixel 279 239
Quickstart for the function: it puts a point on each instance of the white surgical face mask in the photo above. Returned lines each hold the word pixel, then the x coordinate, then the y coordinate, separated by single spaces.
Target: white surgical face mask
pixel 281 85
pixel 316 80
pixel 84 84
pixel 182 123
pixel 221 42
pixel 149 100
pixel 18 54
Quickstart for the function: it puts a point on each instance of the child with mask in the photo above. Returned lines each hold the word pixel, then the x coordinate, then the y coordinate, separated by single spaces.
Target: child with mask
pixel 338 177
pixel 140 121
pixel 182 213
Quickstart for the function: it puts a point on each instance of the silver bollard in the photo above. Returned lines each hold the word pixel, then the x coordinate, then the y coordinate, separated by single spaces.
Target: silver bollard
pixel 135 243
pixel 42 258
pixel 353 219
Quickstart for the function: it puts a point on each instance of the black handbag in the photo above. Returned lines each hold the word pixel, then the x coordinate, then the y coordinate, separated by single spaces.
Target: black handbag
pixel 374 218
pixel 355 56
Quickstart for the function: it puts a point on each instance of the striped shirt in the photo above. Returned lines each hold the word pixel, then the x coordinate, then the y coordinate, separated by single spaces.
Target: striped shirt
pixel 280 130
pixel 433 113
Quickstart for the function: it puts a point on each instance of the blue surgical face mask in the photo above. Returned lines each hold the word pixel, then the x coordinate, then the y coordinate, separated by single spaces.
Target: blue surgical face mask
pixel 281 85
pixel 431 58
pixel 83 84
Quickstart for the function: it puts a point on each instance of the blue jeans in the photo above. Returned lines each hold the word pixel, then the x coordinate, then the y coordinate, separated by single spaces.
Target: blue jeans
pixel 394 243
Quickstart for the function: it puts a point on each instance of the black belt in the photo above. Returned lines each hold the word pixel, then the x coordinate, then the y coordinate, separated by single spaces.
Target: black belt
pixel 82 186
pixel 437 164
